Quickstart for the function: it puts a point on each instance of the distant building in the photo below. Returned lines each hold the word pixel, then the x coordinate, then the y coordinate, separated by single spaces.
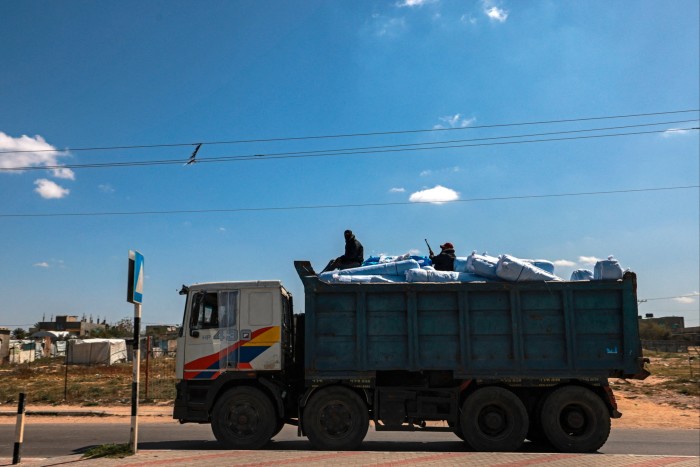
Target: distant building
pixel 4 345
pixel 672 323
pixel 163 338
pixel 71 324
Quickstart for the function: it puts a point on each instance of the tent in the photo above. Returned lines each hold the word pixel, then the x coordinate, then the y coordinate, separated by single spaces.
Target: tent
pixel 96 351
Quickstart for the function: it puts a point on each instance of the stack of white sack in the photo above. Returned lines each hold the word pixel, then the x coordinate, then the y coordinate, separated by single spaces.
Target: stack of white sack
pixel 431 275
pixel 393 268
pixel 335 278
pixel 582 275
pixel 482 265
pixel 607 269
pixel 513 269
pixel 393 271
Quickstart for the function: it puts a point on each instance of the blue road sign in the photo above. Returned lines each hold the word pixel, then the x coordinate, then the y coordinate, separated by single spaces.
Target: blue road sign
pixel 135 281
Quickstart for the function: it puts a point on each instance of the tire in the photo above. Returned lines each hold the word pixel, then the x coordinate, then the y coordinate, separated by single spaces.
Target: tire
pixel 575 419
pixel 336 419
pixel 243 418
pixel 494 419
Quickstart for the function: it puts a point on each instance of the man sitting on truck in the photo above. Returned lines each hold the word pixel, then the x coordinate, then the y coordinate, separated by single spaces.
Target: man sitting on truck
pixel 353 257
pixel 446 259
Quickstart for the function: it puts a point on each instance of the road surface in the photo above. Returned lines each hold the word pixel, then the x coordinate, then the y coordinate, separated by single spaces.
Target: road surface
pixel 61 439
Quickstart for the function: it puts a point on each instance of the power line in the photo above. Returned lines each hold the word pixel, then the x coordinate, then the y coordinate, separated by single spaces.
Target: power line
pixel 339 206
pixel 644 300
pixel 359 151
pixel 353 135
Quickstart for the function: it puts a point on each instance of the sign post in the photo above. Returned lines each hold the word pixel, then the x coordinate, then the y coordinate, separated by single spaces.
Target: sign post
pixel 135 296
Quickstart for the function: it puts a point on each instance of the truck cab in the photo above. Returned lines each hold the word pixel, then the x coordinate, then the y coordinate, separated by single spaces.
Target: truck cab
pixel 232 332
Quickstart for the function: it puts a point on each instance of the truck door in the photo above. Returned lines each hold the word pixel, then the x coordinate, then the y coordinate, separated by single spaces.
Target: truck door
pixel 260 330
pixel 212 334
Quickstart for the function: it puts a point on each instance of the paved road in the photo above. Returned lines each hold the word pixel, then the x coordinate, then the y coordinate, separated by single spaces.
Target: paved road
pixel 60 439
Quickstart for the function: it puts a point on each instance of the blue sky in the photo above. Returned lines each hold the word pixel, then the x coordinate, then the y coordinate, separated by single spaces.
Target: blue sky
pixel 85 74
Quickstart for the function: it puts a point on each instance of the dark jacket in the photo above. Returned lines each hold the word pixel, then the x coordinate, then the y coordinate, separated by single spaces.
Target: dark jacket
pixel 354 253
pixel 445 261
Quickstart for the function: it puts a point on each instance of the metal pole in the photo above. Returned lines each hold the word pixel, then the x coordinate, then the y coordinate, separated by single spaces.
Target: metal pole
pixel 148 353
pixel 19 431
pixel 134 434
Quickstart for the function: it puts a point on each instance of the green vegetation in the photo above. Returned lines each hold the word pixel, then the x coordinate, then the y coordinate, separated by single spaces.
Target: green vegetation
pixel 115 451
pixel 653 331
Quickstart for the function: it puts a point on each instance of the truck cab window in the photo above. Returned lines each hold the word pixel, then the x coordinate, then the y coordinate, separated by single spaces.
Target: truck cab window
pixel 204 311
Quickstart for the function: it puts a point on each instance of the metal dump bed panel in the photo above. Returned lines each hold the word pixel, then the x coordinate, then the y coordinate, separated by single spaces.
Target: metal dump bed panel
pixel 477 330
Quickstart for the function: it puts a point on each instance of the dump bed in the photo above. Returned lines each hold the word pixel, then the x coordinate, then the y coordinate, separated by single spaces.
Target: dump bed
pixel 490 330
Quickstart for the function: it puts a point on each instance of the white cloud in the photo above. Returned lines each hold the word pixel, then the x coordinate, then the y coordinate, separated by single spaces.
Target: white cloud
pixel 388 27
pixel 684 300
pixel 397 190
pixel 50 190
pixel 455 121
pixel 564 263
pixel 437 195
pixel 42 264
pixel 467 19
pixel 671 132
pixel 414 3
pixel 39 153
pixel 588 259
pixel 447 170
pixel 687 299
pixel 497 14
pixel 64 173
pixel 222 229
pixel 105 188
pixel 494 12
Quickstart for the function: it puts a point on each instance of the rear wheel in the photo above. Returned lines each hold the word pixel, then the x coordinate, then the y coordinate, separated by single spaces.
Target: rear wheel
pixel 575 419
pixel 243 418
pixel 336 418
pixel 494 419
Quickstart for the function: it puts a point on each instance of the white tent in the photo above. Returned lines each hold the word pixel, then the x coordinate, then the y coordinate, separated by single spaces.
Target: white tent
pixel 95 351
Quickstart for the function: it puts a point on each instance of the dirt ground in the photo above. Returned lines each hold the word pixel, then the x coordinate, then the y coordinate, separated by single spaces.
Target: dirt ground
pixel 659 410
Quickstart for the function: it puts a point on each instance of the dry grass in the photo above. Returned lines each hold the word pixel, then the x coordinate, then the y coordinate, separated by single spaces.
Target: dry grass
pixel 674 380
pixel 50 382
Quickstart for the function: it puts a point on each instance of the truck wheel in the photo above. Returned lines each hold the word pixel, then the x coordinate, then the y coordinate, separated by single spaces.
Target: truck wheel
pixel 243 418
pixel 336 418
pixel 494 419
pixel 575 419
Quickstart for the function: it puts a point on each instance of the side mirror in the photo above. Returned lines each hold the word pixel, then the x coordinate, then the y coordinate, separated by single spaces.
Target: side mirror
pixel 194 333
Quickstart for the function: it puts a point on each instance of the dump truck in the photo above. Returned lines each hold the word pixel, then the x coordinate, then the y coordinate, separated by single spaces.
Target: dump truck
pixel 495 363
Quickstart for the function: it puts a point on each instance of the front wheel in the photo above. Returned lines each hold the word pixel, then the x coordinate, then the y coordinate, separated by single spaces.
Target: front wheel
pixel 494 419
pixel 243 418
pixel 336 419
pixel 575 419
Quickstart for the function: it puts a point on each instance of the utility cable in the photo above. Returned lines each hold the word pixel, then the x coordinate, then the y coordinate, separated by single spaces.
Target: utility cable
pixel 351 151
pixel 339 206
pixel 352 135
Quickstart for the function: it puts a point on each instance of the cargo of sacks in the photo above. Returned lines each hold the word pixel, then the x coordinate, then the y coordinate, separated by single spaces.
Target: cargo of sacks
pixel 473 268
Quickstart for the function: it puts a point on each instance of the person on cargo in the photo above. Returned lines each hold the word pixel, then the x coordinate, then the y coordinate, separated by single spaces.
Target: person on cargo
pixel 353 257
pixel 446 259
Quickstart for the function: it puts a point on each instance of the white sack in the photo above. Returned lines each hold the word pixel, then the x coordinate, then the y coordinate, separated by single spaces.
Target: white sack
pixel 512 269
pixel 346 279
pixel 582 275
pixel 607 269
pixel 431 275
pixel 483 265
pixel 394 268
